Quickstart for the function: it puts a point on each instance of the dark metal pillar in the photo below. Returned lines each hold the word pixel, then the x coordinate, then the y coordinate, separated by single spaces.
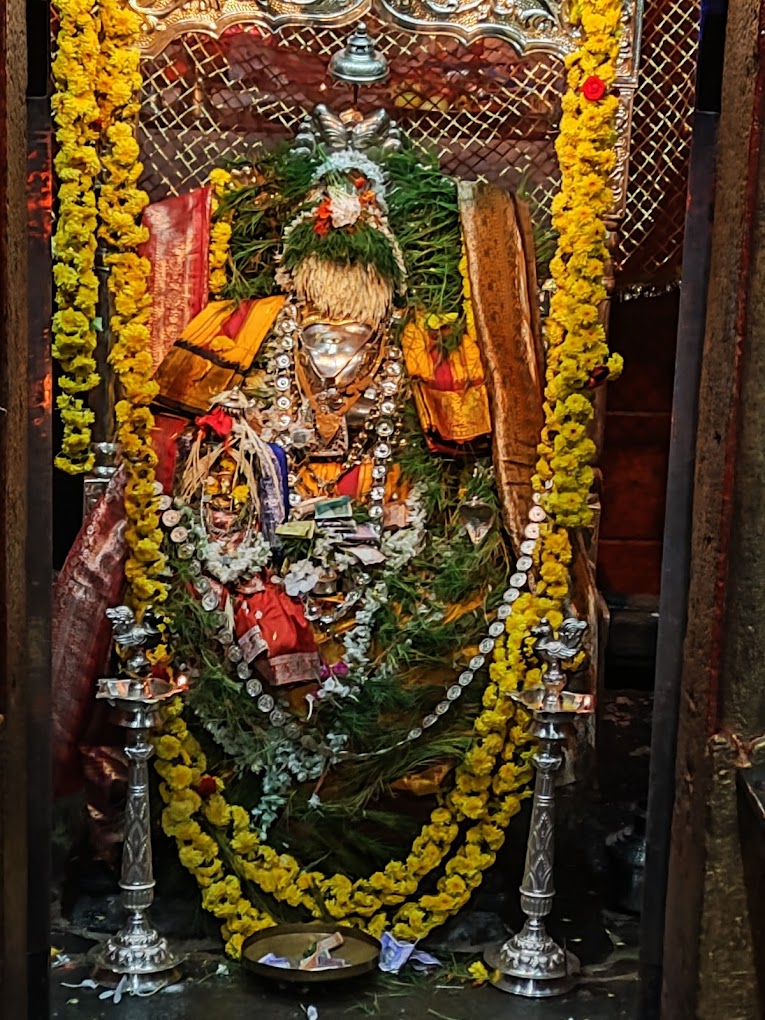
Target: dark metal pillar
pixel 39 513
pixel 676 562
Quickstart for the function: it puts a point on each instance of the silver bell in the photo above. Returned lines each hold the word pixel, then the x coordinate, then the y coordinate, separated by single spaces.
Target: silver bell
pixel 359 63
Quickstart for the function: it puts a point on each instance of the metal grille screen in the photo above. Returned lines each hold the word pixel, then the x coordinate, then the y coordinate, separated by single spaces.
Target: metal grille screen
pixel 485 111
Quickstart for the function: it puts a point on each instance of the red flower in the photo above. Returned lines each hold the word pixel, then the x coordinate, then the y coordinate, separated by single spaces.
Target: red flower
pixel 206 787
pixel 322 227
pixel 360 182
pixel 217 420
pixel 594 88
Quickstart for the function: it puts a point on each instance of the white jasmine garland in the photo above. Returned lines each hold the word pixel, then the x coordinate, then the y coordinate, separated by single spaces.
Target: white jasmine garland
pixel 288 763
pixel 345 205
pixel 329 551
pixel 248 558
pixel 402 545
pixel 358 640
pixel 300 578
pixel 332 686
pixel 349 159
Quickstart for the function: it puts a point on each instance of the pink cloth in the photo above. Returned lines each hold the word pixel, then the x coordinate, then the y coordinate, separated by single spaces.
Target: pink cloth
pixel 90 581
pixel 178 249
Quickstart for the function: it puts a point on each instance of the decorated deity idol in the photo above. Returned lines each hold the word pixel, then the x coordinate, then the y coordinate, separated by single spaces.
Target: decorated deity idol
pixel 347 436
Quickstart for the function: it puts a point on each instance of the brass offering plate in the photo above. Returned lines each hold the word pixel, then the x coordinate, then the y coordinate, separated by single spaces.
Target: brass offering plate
pixel 293 941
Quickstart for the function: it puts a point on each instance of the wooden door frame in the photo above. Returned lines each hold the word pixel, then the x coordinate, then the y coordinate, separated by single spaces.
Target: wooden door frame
pixel 25 507
pixel 13 510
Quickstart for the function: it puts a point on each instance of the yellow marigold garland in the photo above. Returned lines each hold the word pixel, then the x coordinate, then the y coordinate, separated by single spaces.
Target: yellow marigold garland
pixel 494 771
pixel 577 347
pixel 484 793
pixel 77 164
pixel 220 233
pixel 467 301
pixel 121 202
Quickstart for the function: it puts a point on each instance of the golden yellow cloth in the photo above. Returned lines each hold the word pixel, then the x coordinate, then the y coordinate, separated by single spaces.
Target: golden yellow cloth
pixel 193 371
pixel 321 477
pixel 425 783
pixel 449 393
pixel 502 273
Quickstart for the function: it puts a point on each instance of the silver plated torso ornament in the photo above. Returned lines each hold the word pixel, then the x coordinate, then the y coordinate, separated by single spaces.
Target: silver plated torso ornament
pixel 339 353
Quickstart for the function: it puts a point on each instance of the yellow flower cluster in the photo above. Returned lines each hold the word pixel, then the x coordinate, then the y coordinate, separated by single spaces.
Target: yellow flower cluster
pixel 77 163
pixel 486 794
pixel 577 348
pixel 480 974
pixel 121 202
pixel 467 298
pixel 220 233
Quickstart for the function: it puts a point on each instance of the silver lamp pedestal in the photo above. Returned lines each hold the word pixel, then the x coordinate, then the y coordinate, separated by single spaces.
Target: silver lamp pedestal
pixel 137 954
pixel 531 963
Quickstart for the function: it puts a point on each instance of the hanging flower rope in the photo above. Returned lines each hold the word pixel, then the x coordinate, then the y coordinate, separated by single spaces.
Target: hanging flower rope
pixel 578 356
pixel 495 770
pixel 76 114
pixel 220 233
pixel 121 202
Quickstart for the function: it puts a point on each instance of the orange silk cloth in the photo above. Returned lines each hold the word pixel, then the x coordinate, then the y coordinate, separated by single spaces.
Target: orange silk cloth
pixel 449 392
pixel 214 353
pixel 502 271
pixel 327 477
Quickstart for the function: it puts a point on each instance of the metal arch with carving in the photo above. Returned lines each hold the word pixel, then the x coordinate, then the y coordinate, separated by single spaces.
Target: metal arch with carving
pixel 166 20
pixel 528 25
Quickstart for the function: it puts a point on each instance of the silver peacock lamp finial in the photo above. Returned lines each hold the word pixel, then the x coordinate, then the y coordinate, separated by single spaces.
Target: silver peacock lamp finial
pixel 359 63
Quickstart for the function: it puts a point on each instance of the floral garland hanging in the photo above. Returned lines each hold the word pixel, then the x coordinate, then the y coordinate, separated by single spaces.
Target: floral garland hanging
pixel 120 204
pixel 77 164
pixel 578 358
pixel 494 771
pixel 220 233
pixel 98 80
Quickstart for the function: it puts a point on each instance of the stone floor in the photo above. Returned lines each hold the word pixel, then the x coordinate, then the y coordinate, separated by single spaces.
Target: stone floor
pixel 236 997
pixel 586 919
pixel 591 917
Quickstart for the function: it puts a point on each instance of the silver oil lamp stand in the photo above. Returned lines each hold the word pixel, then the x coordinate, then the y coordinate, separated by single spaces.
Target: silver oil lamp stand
pixel 137 956
pixel 531 963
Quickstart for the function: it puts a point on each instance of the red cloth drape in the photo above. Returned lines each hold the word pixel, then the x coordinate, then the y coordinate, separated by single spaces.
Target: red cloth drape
pixel 178 249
